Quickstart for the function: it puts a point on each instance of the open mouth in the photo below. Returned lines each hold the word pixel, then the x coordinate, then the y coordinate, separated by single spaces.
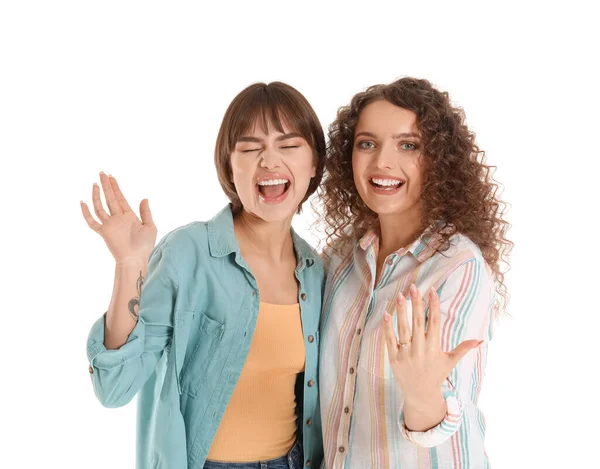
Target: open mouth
pixel 386 184
pixel 273 190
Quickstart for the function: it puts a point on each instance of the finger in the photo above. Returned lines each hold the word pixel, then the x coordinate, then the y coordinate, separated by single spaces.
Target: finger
pixel 418 317
pixel 434 319
pixel 459 352
pixel 119 195
pixel 145 213
pixel 109 195
pixel 403 327
pixel 93 224
pixel 390 336
pixel 98 208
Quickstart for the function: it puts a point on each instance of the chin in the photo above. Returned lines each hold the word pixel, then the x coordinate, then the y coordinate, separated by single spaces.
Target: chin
pixel 276 213
pixel 385 208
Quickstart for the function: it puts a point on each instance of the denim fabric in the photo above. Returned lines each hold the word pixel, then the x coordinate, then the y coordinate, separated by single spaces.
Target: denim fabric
pixel 197 316
pixel 293 460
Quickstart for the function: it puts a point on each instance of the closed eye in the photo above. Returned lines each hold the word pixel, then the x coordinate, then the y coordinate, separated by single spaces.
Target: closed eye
pixel 250 150
pixel 291 146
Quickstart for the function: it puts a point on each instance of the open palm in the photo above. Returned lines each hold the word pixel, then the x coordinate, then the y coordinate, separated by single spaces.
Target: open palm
pixel 128 237
pixel 418 362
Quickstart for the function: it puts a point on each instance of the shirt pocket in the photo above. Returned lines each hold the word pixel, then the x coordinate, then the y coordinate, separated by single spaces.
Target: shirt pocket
pixel 196 369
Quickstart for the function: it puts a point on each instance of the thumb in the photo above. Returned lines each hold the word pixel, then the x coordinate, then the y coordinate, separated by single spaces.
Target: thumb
pixel 459 352
pixel 145 213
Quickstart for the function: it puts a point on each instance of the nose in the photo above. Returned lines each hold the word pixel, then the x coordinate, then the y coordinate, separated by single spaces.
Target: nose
pixel 384 158
pixel 270 159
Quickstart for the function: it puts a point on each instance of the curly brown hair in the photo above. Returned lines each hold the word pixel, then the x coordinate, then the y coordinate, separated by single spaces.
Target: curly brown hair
pixel 458 187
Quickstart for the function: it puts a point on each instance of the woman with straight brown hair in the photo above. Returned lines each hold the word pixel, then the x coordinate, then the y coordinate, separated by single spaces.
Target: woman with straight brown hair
pixel 416 242
pixel 217 326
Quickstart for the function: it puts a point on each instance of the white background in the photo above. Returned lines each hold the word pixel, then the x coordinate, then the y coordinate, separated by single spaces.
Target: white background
pixel 138 89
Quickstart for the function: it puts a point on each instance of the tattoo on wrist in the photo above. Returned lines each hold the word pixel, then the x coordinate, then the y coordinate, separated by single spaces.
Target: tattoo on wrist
pixel 134 303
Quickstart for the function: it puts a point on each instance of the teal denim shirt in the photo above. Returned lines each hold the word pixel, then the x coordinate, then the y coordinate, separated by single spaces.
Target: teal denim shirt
pixel 197 316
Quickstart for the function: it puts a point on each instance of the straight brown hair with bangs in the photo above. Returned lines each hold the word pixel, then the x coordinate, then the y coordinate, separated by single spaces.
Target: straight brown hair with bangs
pixel 267 105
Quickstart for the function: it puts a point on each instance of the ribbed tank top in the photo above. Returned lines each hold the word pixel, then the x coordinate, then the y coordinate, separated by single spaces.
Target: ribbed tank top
pixel 260 420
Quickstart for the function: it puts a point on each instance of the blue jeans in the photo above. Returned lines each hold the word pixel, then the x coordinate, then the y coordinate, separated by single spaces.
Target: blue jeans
pixel 293 460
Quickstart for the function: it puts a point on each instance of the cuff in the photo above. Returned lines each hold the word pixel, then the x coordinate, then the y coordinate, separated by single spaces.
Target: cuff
pixel 100 357
pixel 441 432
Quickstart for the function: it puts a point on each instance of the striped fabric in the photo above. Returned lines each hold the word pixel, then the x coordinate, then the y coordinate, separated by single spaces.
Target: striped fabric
pixel 361 403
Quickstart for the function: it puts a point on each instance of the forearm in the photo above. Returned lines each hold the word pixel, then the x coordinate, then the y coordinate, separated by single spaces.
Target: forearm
pixel 122 314
pixel 424 412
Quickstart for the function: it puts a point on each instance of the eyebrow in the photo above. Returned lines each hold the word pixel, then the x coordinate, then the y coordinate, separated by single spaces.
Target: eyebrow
pixel 395 136
pixel 245 138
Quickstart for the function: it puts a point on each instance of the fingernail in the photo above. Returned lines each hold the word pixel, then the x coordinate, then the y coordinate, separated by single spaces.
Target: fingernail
pixel 432 292
pixel 399 298
pixel 386 317
pixel 102 172
pixel 413 289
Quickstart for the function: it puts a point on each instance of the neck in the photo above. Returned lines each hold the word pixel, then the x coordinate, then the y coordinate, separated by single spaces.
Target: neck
pixel 398 231
pixel 270 239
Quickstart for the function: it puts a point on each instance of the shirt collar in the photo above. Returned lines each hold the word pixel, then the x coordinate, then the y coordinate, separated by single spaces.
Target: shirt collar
pixel 422 248
pixel 222 240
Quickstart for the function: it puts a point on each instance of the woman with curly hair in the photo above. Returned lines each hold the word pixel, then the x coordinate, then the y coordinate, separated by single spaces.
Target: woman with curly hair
pixel 415 236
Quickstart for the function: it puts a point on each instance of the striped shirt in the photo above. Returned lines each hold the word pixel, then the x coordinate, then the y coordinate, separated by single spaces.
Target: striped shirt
pixel 361 402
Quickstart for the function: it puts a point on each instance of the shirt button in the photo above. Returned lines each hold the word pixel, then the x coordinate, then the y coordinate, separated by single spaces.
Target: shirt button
pixel 91 370
pixel 390 262
pixel 308 463
pixel 311 383
pixel 311 339
pixel 341 449
pixel 351 371
pixel 346 410
pixel 303 296
pixel 309 422
pixel 358 331
pixel 253 293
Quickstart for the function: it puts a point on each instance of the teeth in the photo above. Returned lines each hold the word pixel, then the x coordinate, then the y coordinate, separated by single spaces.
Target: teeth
pixel 386 182
pixel 273 182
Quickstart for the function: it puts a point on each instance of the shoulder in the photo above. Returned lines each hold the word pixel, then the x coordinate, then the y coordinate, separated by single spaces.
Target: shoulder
pixel 184 245
pixel 338 253
pixel 309 254
pixel 463 254
pixel 188 237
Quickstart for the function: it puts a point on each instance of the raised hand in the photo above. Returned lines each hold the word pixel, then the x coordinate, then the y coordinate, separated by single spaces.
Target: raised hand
pixel 128 238
pixel 419 364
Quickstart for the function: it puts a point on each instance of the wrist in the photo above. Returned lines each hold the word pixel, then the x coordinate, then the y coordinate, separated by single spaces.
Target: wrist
pixel 135 262
pixel 424 399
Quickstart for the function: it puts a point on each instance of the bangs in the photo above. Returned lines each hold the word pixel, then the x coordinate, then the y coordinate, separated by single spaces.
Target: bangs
pixel 270 109
pixel 273 107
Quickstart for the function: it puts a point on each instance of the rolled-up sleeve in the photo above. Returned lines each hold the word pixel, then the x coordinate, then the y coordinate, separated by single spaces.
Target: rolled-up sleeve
pixel 466 306
pixel 117 375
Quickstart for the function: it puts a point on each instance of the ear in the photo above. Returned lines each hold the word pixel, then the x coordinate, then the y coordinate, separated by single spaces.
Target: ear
pixel 313 171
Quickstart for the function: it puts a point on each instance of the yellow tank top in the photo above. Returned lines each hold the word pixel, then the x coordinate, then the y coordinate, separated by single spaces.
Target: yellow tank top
pixel 260 420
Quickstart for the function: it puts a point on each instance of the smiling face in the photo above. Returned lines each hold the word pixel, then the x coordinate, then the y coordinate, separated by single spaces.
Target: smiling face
pixel 386 160
pixel 272 171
